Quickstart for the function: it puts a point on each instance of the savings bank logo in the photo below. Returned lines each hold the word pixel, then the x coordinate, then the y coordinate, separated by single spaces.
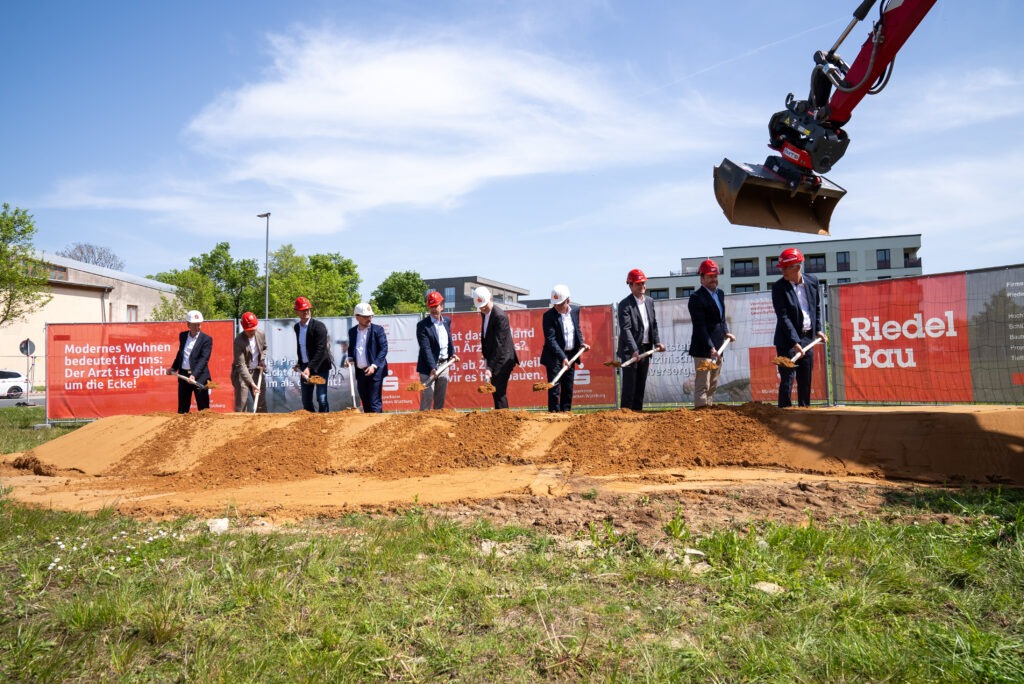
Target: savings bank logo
pixel 868 332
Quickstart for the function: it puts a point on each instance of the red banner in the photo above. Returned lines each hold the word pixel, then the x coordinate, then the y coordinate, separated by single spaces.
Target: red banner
pixel 94 370
pixel 594 384
pixel 906 340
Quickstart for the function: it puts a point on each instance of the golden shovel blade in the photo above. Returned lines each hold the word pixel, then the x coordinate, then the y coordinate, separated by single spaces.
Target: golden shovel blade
pixel 486 388
pixel 541 386
pixel 416 387
pixel 707 365
pixel 783 361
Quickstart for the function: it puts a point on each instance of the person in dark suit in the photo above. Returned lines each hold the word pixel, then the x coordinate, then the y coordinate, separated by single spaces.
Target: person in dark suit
pixel 249 365
pixel 638 333
pixel 496 345
pixel 563 338
pixel 434 337
pixel 192 361
pixel 796 297
pixel 710 331
pixel 312 349
pixel 368 350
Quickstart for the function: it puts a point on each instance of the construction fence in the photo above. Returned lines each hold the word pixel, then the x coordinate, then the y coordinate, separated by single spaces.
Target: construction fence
pixel 951 338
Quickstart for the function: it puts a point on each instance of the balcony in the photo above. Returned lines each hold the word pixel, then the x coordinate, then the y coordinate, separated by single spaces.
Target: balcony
pixel 883 263
pixel 744 271
pixel 911 262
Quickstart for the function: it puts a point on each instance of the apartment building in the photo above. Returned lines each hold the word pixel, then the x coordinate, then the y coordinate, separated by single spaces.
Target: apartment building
pixel 458 292
pixel 752 268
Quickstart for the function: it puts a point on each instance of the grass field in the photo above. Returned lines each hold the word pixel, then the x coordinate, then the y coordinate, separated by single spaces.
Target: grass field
pixel 930 590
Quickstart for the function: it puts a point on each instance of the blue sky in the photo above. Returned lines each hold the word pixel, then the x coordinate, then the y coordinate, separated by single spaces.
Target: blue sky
pixel 529 142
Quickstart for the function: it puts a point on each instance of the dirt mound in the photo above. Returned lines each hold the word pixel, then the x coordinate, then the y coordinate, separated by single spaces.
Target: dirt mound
pixel 301 464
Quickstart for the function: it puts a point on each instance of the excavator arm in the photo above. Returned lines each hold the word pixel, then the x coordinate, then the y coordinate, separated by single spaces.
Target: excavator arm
pixel 788 192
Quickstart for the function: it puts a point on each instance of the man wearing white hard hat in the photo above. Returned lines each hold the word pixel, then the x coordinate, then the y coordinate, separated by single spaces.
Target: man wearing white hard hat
pixel 496 345
pixel 368 350
pixel 563 339
pixel 191 364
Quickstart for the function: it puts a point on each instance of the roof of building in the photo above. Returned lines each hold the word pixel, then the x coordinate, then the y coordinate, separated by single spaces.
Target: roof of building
pixel 58 260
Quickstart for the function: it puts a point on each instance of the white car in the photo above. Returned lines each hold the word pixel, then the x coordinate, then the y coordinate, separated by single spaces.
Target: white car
pixel 12 384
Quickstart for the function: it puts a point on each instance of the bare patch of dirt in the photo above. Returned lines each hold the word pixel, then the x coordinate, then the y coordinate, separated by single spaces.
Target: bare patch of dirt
pixel 724 465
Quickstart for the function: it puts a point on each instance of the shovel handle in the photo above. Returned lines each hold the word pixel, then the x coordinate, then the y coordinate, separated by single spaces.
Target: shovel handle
pixel 440 369
pixel 259 389
pixel 192 382
pixel 799 355
pixel 559 374
pixel 721 350
pixel 643 356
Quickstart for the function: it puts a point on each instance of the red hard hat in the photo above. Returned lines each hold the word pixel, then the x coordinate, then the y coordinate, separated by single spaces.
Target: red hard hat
pixel 707 267
pixel 434 298
pixel 302 304
pixel 790 256
pixel 635 276
pixel 249 321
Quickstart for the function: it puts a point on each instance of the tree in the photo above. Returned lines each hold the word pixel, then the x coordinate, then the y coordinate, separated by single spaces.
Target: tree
pixel 194 291
pixel 329 281
pixel 237 283
pixel 23 277
pixel 93 254
pixel 401 292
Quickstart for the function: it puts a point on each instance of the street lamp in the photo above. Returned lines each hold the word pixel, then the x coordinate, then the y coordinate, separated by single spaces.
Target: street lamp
pixel 266 270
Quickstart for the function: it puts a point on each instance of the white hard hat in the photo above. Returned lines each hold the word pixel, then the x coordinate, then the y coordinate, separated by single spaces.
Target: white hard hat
pixel 193 316
pixel 481 297
pixel 559 293
pixel 363 309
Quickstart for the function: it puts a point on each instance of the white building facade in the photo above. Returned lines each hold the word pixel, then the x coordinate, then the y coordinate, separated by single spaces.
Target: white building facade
pixel 752 268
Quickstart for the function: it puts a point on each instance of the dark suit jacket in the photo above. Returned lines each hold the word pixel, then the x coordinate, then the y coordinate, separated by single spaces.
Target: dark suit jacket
pixel 631 327
pixel 198 360
pixel 554 352
pixel 242 356
pixel 376 347
pixel 789 320
pixel 709 324
pixel 318 347
pixel 496 345
pixel 430 347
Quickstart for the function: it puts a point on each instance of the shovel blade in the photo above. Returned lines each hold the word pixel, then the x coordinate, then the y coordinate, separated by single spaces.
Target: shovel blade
pixel 752 195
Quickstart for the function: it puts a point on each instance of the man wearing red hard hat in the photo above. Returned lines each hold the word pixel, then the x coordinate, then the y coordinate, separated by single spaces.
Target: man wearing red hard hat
pixel 437 351
pixel 314 356
pixel 796 297
pixel 249 365
pixel 710 331
pixel 638 337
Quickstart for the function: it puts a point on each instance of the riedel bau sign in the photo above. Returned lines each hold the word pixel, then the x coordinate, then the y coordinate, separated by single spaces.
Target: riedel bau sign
pixel 914 328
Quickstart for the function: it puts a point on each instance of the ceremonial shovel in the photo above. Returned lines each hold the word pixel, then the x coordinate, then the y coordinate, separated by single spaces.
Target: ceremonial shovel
pixel 419 386
pixel 256 394
pixel 622 364
pixel 791 363
pixel 538 386
pixel 208 386
pixel 708 364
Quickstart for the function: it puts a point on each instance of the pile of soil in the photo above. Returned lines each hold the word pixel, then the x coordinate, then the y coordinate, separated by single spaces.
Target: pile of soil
pixel 544 469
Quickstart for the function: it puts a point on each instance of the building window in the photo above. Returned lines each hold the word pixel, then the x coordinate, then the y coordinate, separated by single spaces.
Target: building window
pixel 132 316
pixel 449 297
pixel 772 266
pixel 911 260
pixel 658 294
pixel 843 280
pixel 738 289
pixel 744 268
pixel 683 292
pixel 885 277
pixel 882 258
pixel 57 272
pixel 814 263
pixel 842 261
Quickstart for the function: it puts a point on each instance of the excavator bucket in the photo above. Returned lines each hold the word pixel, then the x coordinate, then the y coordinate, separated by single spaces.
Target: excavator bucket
pixel 752 195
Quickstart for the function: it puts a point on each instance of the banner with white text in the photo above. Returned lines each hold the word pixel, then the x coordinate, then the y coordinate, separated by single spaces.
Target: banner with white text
pixel 94 370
